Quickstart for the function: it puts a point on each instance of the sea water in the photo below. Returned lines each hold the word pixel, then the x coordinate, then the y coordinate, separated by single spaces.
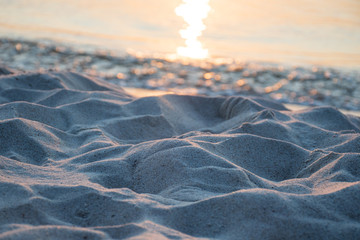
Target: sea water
pixel 324 32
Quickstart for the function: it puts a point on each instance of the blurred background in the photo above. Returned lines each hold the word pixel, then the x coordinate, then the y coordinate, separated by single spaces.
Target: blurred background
pixel 322 32
pixel 292 51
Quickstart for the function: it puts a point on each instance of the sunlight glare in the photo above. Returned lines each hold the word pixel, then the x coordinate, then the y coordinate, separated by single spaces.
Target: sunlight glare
pixel 193 12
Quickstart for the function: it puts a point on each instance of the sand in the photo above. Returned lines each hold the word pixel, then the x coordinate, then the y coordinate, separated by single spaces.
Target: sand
pixel 82 159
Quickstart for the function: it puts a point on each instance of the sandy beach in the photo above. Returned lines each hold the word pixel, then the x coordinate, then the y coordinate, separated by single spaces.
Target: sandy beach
pixel 81 158
pixel 180 119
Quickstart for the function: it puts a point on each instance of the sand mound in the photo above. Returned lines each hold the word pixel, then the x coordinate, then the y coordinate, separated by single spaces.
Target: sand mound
pixel 82 159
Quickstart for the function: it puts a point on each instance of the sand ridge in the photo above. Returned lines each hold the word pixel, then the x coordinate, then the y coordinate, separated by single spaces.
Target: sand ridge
pixel 82 159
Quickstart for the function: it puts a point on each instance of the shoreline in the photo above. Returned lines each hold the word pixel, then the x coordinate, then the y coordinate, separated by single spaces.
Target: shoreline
pixel 317 86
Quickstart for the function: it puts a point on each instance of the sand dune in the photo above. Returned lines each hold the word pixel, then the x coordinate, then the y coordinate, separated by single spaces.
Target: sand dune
pixel 82 159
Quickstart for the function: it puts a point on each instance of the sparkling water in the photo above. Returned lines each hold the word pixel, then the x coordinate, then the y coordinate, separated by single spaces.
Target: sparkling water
pixel 306 32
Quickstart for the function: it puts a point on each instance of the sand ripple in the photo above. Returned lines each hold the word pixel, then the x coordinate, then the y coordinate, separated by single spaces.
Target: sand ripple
pixel 82 159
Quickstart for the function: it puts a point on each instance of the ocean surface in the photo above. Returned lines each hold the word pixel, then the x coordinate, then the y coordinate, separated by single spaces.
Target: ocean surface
pixel 296 32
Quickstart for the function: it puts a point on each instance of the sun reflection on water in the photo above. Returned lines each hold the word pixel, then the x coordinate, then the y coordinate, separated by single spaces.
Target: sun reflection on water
pixel 193 12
